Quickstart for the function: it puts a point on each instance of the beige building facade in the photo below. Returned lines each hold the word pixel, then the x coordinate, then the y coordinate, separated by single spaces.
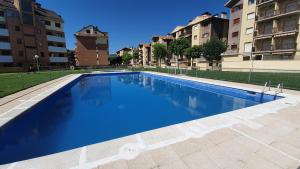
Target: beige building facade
pixel 165 40
pixel 269 38
pixel 199 31
pixel 145 54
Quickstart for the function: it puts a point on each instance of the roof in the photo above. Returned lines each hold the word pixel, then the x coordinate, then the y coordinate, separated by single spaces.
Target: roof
pixel 125 49
pixel 83 32
pixel 7 4
pixel 178 28
pixel 145 45
pixel 164 37
pixel 40 11
pixel 231 3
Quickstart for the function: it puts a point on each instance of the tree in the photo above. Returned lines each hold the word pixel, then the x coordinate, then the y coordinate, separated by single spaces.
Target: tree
pixel 135 55
pixel 213 49
pixel 115 60
pixel 126 58
pixel 160 52
pixel 178 46
pixel 193 52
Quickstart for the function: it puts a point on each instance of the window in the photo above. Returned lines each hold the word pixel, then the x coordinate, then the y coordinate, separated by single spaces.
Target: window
pixel 245 58
pixel 236 8
pixel 5 52
pixel 58 25
pixel 236 21
pixel 235 34
pixel 258 57
pixel 250 2
pixel 248 47
pixel 251 16
pixel 205 35
pixel 39 31
pixel 196 27
pixel 47 23
pixel 42 54
pixel 88 31
pixel 17 28
pixel 3 26
pixel 195 37
pixel 26 5
pixel 2 13
pixel 27 18
pixel 249 30
pixel 19 41
pixel 21 53
pixel 233 47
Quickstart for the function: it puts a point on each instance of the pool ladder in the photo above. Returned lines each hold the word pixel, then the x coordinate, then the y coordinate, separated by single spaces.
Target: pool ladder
pixel 269 84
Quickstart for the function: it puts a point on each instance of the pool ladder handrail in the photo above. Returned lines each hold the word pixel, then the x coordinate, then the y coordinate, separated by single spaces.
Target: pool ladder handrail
pixel 279 88
pixel 267 84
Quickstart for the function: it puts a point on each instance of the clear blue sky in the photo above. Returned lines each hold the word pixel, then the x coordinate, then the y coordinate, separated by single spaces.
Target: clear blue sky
pixel 129 22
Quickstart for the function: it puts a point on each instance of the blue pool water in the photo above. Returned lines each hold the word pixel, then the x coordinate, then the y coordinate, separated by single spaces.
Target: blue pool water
pixel 97 108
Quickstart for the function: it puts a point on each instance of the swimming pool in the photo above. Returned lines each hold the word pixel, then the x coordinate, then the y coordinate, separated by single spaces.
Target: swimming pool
pixel 97 108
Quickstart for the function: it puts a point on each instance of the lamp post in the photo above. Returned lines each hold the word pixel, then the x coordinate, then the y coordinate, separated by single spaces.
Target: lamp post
pixel 36 57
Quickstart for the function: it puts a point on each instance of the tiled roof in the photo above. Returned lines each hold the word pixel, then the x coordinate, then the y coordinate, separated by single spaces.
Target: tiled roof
pixel 164 37
pixel 178 28
pixel 46 12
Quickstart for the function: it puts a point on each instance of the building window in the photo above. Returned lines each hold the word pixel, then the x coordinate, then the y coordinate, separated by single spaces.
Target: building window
pixel 17 28
pixel 2 13
pixel 248 47
pixel 42 54
pixel 251 16
pixel 58 25
pixel 19 41
pixel 205 35
pixel 236 21
pixel 26 5
pixel 196 27
pixel 236 8
pixel 21 53
pixel 27 19
pixel 48 23
pixel 249 30
pixel 250 2
pixel 88 31
pixel 3 26
pixel 5 52
pixel 235 34
pixel 233 47
pixel 195 37
pixel 39 31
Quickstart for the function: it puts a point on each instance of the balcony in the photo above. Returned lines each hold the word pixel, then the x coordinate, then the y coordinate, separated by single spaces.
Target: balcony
pixel 4 32
pixel 57 49
pixel 5 46
pixel 6 59
pixel 286 47
pixel 52 38
pixel 276 32
pixel 271 14
pixel 58 59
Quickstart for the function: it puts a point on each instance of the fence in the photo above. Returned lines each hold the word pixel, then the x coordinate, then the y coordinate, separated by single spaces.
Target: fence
pixel 290 79
pixel 13 82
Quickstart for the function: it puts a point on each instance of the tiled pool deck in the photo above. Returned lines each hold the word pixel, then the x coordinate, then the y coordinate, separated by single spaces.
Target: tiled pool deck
pixel 266 136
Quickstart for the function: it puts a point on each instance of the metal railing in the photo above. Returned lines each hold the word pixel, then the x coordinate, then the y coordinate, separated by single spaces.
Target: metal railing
pixel 272 13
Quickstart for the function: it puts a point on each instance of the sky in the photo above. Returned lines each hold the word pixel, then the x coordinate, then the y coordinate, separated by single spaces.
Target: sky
pixel 129 22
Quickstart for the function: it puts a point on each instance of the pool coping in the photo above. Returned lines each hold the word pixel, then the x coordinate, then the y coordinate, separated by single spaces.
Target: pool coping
pixel 130 147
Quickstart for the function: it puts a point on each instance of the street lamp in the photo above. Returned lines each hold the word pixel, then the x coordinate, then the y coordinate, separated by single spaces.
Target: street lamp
pixel 36 57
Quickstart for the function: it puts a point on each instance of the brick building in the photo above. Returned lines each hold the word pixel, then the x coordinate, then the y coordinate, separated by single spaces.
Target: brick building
pixel 27 29
pixel 92 47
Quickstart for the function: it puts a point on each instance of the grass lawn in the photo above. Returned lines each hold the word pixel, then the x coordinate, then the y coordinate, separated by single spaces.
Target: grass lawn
pixel 290 80
pixel 14 82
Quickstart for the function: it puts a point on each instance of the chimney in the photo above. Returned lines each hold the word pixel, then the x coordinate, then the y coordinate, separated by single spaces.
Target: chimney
pixel 224 15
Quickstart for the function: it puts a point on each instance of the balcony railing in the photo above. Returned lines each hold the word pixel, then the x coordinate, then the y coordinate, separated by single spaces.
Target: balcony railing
pixel 259 2
pixel 6 59
pixel 276 30
pixel 5 45
pixel 286 46
pixel 58 59
pixel 4 32
pixel 273 13
pixel 57 49
pixel 52 38
pixel 273 48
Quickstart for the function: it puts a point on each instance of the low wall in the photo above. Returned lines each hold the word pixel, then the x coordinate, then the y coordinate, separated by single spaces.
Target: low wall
pixel 263 66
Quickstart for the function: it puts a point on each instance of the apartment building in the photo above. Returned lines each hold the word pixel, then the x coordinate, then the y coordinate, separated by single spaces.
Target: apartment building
pixel 124 51
pixel 165 40
pixel 92 47
pixel 145 54
pixel 27 29
pixel 268 36
pixel 200 30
